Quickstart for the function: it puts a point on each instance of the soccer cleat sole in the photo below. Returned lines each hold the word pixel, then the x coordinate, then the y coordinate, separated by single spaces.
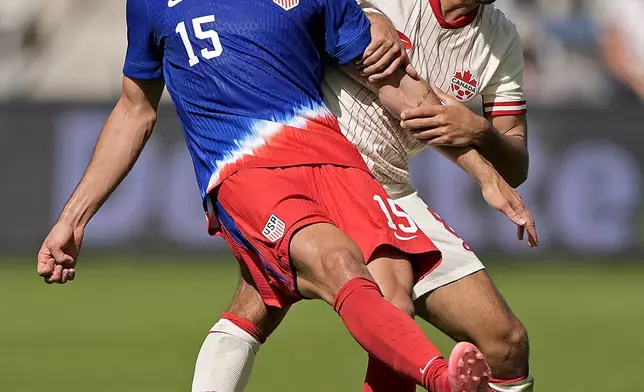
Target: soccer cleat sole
pixel 468 371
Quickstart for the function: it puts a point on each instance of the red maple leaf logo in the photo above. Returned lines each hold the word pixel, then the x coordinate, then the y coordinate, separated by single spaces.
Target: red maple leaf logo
pixel 468 78
pixel 464 85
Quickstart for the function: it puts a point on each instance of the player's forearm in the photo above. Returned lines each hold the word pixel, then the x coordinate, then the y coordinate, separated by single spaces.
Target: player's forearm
pixel 508 153
pixel 471 162
pixel 397 92
pixel 505 152
pixel 401 92
pixel 119 146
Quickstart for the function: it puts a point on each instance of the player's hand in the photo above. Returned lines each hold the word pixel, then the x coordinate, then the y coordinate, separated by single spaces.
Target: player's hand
pixel 59 252
pixel 385 53
pixel 501 196
pixel 450 124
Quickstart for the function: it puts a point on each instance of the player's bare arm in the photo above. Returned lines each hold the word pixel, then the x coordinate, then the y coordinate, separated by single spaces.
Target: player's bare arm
pixel 386 52
pixel 399 93
pixel 505 144
pixel 120 143
pixel 500 139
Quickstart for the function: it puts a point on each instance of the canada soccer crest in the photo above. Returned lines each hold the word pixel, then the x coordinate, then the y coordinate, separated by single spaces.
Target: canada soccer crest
pixel 287 4
pixel 464 86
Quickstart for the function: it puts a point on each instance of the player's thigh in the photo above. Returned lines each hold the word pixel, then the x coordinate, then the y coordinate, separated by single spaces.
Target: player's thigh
pixel 325 259
pixel 248 303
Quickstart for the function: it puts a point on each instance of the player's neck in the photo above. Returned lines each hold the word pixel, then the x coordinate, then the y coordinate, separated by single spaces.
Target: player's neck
pixel 455 9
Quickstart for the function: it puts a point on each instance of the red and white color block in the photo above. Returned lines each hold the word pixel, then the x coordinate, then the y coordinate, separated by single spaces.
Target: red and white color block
pixel 287 4
pixel 508 108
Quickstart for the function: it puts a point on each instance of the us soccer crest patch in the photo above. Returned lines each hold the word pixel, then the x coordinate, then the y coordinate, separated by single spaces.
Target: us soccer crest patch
pixel 274 229
pixel 464 86
pixel 287 4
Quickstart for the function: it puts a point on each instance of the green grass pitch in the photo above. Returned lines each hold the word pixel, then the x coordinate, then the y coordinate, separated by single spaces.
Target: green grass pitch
pixel 125 326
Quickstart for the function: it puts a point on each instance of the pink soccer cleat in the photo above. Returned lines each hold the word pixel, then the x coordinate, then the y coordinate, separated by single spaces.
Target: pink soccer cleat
pixel 468 371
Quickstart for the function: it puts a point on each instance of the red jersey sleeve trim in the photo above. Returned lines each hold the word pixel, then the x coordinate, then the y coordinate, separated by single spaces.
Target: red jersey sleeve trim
pixel 505 103
pixel 496 113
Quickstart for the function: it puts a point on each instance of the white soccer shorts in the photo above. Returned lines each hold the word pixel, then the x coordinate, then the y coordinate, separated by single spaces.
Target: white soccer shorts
pixel 458 260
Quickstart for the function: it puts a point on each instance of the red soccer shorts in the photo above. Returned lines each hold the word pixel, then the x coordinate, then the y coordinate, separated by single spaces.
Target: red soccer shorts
pixel 260 209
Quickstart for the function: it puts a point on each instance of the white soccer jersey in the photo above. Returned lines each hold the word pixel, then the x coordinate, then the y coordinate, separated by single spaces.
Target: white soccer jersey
pixel 477 55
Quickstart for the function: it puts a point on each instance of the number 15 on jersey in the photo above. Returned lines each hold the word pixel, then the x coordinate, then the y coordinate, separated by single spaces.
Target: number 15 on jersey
pixel 197 26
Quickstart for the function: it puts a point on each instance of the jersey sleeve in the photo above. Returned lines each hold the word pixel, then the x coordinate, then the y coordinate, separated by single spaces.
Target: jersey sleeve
pixel 347 32
pixel 143 59
pixel 504 94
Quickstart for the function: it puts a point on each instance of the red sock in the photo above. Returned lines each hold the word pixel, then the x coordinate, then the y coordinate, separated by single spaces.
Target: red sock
pixel 437 374
pixel 386 332
pixel 246 326
pixel 382 378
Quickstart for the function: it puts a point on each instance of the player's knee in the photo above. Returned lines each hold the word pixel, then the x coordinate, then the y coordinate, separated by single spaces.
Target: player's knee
pixel 342 263
pixel 248 302
pixel 508 350
pixel 249 305
pixel 254 310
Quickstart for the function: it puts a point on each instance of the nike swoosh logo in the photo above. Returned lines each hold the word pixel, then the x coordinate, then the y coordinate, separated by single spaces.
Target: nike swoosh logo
pixel 404 238
pixel 172 3
pixel 423 370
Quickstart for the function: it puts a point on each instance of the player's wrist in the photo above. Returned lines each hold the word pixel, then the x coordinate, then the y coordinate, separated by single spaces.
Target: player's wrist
pixel 484 132
pixel 71 220
pixel 74 217
pixel 487 176
pixel 477 167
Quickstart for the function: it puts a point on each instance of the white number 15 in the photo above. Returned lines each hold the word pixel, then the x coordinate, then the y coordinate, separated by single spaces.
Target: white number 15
pixel 203 35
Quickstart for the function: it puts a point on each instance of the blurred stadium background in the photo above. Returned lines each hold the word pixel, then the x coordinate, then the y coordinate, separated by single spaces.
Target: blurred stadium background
pixel 151 282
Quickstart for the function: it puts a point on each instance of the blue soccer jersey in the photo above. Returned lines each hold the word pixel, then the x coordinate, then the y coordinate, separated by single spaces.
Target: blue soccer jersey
pixel 244 76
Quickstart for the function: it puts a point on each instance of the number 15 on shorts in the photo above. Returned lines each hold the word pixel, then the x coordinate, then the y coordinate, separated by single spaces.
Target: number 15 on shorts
pixel 389 208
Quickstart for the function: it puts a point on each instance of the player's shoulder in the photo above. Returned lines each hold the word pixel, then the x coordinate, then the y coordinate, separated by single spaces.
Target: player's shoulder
pixel 496 22
pixel 385 6
pixel 144 9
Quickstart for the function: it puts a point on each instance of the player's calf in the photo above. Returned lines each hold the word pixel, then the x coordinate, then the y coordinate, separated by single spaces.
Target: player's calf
pixel 395 277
